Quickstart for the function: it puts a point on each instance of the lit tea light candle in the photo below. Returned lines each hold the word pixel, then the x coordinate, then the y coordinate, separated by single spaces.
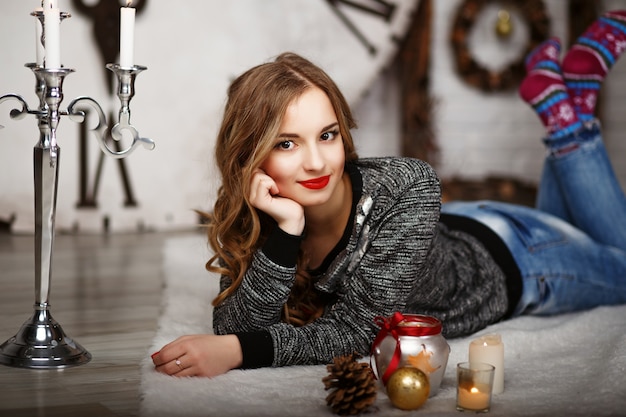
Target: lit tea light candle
pixel 474 398
pixel 52 28
pixel 127 35
pixel 474 386
pixel 490 349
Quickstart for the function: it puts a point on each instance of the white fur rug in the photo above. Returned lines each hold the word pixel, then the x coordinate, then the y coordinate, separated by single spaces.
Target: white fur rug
pixel 570 365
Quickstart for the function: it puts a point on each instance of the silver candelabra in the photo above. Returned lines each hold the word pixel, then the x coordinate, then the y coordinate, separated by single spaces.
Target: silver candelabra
pixel 41 342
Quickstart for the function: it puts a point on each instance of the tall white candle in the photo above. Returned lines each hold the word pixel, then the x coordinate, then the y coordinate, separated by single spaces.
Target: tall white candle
pixel 127 36
pixel 39 49
pixel 490 349
pixel 52 28
pixel 49 4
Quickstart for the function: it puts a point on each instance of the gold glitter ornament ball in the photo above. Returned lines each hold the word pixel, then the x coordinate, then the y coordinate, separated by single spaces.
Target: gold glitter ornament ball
pixel 408 388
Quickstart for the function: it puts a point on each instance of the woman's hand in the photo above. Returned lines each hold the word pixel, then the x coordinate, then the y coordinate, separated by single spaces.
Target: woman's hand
pixel 264 196
pixel 199 355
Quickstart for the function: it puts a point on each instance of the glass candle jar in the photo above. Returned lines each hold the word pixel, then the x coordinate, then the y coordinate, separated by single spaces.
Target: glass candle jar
pixel 411 340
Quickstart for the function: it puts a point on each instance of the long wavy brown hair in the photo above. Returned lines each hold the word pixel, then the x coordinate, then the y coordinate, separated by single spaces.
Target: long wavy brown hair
pixel 257 101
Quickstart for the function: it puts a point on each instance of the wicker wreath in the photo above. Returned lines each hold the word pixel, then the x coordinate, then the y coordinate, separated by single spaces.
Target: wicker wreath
pixel 534 13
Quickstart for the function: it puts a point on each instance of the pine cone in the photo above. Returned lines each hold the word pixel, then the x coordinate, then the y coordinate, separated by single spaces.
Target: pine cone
pixel 353 385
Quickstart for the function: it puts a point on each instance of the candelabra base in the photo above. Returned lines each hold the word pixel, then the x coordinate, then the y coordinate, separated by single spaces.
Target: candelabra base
pixel 41 344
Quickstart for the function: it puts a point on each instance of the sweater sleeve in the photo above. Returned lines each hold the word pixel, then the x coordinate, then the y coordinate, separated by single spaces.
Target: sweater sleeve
pixel 281 247
pixel 258 301
pixel 257 347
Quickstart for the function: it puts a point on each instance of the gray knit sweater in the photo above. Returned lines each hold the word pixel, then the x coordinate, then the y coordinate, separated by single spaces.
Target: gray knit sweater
pixel 398 258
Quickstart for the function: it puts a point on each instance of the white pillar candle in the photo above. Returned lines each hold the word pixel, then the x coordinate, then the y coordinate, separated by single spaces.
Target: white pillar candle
pixel 490 349
pixel 127 36
pixel 39 49
pixel 52 28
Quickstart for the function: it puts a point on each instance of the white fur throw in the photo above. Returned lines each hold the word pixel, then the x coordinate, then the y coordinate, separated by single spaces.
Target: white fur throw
pixel 569 365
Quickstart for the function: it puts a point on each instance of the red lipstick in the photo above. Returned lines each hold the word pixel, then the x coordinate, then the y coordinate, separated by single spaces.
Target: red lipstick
pixel 316 183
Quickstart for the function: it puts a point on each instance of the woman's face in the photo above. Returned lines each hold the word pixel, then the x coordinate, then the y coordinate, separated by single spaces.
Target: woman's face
pixel 308 158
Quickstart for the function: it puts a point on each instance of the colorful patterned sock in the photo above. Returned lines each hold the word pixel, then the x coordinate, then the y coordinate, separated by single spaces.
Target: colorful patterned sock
pixel 590 59
pixel 544 89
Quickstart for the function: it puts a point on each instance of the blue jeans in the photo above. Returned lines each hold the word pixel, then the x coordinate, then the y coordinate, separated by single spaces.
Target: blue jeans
pixel 571 248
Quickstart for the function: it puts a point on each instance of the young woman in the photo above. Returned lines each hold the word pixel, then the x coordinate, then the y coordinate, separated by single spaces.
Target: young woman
pixel 312 243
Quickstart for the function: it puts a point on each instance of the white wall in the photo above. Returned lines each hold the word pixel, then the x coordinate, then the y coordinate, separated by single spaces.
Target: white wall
pixel 192 50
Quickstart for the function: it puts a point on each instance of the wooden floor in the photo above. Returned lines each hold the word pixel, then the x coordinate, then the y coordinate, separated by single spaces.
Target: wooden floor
pixel 106 294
